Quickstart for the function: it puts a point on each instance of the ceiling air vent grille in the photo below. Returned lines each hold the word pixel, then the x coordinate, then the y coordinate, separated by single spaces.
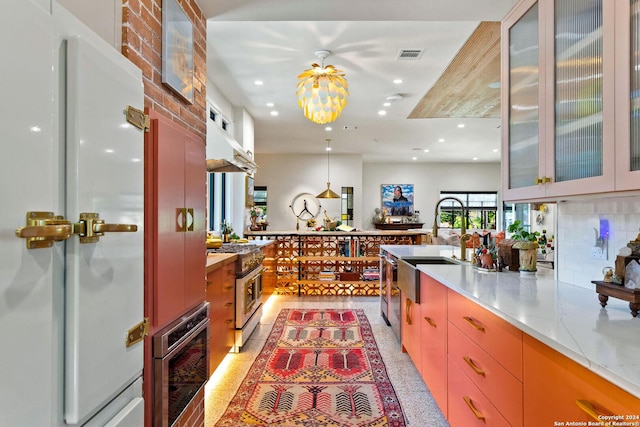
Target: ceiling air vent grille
pixel 409 54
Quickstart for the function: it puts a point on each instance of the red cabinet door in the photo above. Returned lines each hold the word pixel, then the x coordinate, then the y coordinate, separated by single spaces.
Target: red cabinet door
pixel 175 191
pixel 195 193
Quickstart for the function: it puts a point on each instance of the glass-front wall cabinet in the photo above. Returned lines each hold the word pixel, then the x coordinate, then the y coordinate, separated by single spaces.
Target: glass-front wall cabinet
pixel 559 66
pixel 524 99
pixel 628 95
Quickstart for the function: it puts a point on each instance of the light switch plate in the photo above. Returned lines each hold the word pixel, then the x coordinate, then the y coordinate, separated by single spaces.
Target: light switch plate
pixel 598 253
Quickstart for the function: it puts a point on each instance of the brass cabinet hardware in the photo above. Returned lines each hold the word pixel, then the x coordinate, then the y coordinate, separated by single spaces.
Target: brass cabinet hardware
pixel 430 321
pixel 181 219
pixel 471 406
pixel 588 408
pixel 408 311
pixel 137 118
pixel 473 323
pixel 189 219
pixel 44 228
pixel 90 227
pixel 229 304
pixel 543 180
pixel 138 332
pixel 473 366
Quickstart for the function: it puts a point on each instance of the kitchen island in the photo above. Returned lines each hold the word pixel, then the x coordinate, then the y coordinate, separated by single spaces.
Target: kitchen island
pixel 331 262
pixel 564 342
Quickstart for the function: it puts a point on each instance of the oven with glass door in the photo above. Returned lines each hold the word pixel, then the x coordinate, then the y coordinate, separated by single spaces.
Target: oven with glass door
pixel 180 364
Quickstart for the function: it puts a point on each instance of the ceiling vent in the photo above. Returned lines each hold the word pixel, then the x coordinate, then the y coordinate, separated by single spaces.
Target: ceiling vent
pixel 410 54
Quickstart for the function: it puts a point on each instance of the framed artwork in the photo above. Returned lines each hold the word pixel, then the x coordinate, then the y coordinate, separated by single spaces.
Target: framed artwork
pixel 249 186
pixel 177 50
pixel 397 199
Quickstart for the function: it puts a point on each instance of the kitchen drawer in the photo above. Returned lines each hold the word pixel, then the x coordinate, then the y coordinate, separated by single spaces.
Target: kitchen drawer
pixel 554 384
pixel 468 406
pixel 494 335
pixel 222 336
pixel 495 382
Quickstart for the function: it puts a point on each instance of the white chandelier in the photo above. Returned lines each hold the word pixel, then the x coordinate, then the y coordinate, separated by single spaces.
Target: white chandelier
pixel 322 91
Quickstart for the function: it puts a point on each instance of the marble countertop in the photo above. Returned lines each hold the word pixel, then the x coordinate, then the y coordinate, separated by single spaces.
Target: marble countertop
pixel 565 317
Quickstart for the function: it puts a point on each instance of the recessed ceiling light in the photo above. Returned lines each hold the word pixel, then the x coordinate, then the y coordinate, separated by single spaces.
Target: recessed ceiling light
pixel 426 150
pixel 270 104
pixel 475 158
pixel 414 158
pixel 382 112
pixel 397 81
pixel 108 150
pixel 441 140
pixel 274 113
pixel 461 125
pixel 495 150
pixel 328 128
pixel 258 82
pixel 136 160
pixel 328 149
pixel 386 104
pixel 35 128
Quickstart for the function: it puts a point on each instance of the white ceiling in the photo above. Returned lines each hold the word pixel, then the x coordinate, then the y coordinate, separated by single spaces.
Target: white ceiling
pixel 275 40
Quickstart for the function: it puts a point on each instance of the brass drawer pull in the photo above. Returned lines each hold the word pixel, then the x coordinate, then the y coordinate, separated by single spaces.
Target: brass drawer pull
pixel 473 366
pixel 430 321
pixel 408 311
pixel 229 304
pixel 473 323
pixel 471 406
pixel 588 408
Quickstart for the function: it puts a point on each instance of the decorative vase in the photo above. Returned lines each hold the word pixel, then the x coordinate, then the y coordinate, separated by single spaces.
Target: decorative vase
pixel 527 256
pixel 254 225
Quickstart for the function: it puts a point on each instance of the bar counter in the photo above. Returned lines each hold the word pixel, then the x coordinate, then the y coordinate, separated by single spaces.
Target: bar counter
pixel 331 262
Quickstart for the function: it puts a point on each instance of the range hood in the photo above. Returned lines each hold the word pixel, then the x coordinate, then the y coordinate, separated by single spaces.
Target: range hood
pixel 224 154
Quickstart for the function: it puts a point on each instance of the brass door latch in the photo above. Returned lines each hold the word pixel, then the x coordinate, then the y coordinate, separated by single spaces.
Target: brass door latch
pixel 42 229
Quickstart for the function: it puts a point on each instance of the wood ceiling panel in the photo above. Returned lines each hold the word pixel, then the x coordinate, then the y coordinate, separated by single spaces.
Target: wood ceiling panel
pixel 463 91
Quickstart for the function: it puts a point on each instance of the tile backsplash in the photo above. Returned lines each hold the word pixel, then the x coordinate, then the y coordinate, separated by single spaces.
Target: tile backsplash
pixel 577 225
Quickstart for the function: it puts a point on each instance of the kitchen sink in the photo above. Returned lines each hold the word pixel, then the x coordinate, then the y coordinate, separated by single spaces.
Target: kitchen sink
pixel 431 260
pixel 409 275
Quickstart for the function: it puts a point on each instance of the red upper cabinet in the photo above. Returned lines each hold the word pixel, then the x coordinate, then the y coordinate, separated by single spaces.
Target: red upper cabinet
pixel 175 200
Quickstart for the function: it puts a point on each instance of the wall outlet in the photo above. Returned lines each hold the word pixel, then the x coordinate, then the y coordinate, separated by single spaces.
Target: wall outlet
pixel 598 253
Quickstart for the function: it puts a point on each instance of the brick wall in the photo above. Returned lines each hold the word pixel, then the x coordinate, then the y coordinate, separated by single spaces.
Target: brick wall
pixel 142 44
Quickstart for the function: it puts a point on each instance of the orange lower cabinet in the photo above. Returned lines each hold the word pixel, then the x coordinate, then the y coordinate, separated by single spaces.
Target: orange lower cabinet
pixel 433 338
pixel 468 406
pixel 501 388
pixel 557 390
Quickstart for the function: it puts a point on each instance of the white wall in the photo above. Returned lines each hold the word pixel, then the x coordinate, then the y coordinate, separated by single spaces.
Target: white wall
pixel 428 180
pixel 289 175
pixel 575 236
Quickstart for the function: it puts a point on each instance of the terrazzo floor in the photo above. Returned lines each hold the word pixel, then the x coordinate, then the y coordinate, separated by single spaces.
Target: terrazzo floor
pixel 416 401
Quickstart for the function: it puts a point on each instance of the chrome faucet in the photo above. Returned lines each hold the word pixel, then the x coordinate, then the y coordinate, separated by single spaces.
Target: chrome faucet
pixel 463 230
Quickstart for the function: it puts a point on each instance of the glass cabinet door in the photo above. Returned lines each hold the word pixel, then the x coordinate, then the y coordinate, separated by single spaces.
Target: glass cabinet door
pixel 522 150
pixel 634 144
pixel 578 48
pixel 523 147
pixel 627 80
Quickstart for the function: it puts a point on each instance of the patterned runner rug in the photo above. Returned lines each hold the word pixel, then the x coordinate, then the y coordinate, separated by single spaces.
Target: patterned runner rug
pixel 317 368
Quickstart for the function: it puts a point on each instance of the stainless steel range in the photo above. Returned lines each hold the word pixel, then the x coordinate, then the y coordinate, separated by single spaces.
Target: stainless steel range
pixel 248 289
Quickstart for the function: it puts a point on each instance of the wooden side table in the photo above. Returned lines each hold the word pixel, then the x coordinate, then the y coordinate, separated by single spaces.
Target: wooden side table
pixel 606 290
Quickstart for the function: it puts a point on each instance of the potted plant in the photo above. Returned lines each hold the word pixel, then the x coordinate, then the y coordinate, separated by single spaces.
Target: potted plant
pixel 527 245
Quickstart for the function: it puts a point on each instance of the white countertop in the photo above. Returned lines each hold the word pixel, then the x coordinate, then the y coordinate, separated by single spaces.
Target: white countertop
pixel 565 317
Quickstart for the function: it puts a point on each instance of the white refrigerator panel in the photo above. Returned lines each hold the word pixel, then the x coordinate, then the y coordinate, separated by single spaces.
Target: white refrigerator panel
pixel 30 289
pixel 104 280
